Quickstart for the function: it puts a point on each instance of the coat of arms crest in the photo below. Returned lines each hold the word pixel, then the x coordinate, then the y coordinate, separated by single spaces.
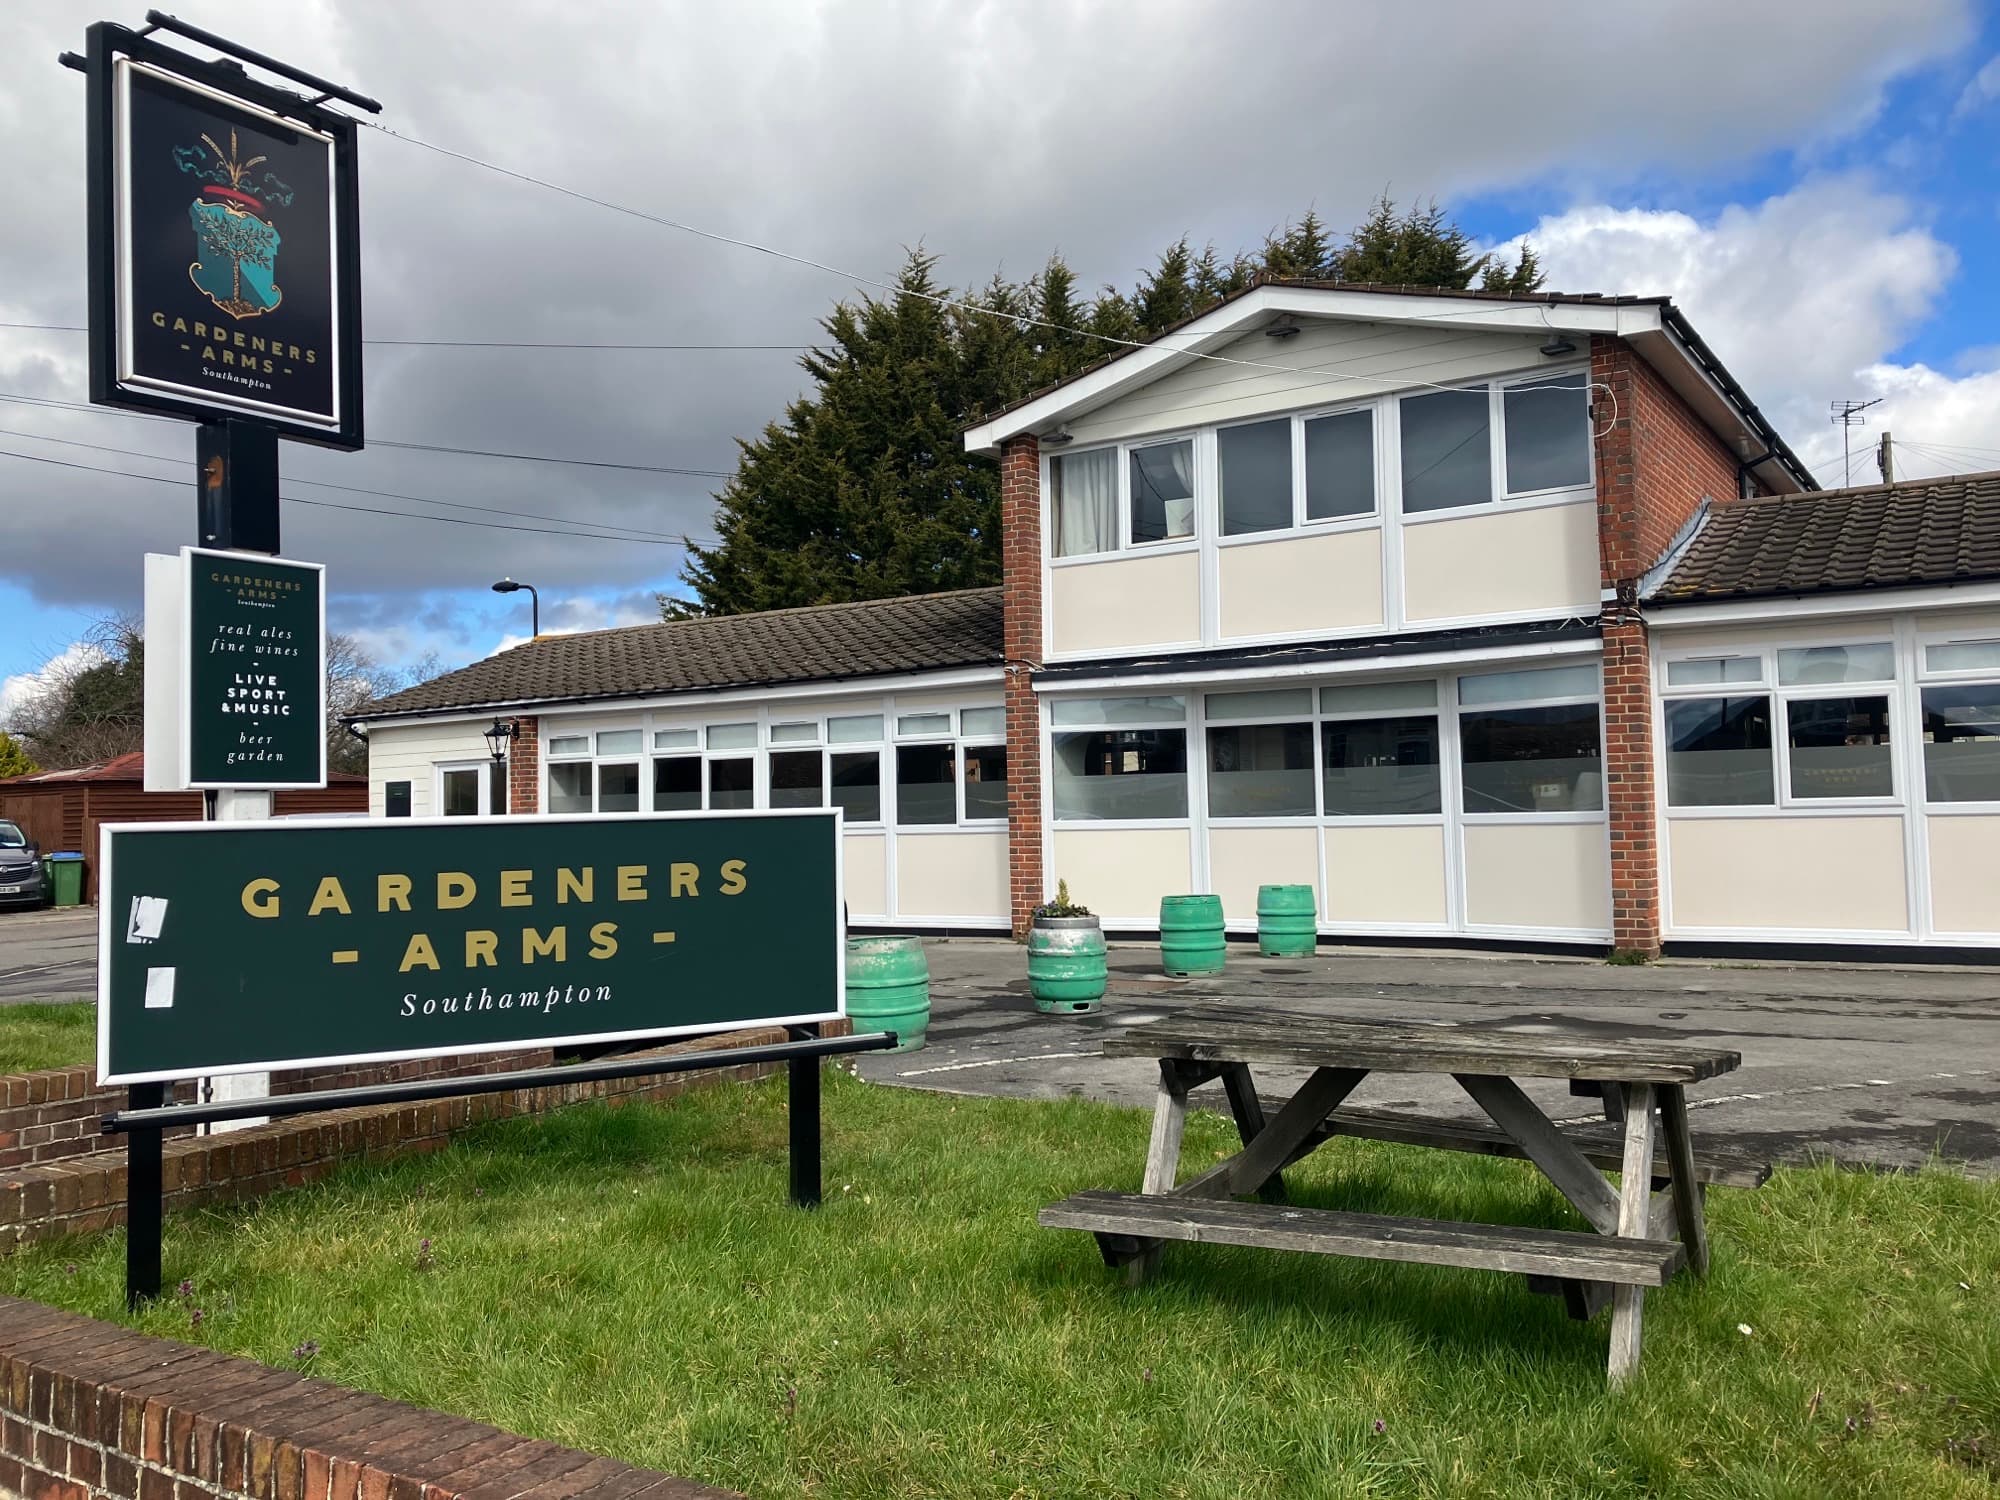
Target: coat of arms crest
pixel 236 244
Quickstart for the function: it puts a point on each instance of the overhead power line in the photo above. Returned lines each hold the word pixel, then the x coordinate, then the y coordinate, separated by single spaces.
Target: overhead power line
pixel 483 343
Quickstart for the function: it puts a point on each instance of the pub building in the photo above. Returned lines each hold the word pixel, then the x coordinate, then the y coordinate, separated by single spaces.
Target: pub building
pixel 1492 618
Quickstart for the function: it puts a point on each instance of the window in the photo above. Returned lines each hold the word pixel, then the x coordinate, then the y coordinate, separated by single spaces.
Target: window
pixel 1719 750
pixel 854 729
pixel 1268 703
pixel 569 744
pixel 1546 427
pixel 1961 740
pixel 1376 697
pixel 732 783
pixel 1810 665
pixel 1447 459
pixel 395 801
pixel 1163 491
pixel 1963 656
pixel 677 739
pixel 1117 710
pixel 1121 773
pixel 1382 767
pixel 569 787
pixel 857 784
pixel 1715 671
pixel 1084 500
pixel 1256 468
pixel 732 736
pixel 460 790
pixel 926 784
pixel 983 723
pixel 1260 771
pixel 797 779
pixel 1839 746
pixel 677 784
pixel 1520 753
pixel 985 782
pixel 806 733
pixel 1340 466
pixel 916 725
pixel 619 741
pixel 618 785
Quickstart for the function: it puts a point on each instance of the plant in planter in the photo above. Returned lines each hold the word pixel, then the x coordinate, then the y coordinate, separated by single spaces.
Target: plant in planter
pixel 1066 969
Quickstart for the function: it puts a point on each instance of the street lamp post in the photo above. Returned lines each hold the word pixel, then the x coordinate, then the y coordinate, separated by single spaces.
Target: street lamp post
pixel 508 586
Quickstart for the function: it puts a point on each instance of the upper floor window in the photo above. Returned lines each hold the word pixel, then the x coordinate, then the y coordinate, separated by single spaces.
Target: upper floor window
pixel 1083 490
pixel 1289 471
pixel 1163 491
pixel 1494 442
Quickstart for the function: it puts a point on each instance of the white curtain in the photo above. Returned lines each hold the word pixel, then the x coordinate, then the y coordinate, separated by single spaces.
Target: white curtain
pixel 1086 486
pixel 1180 508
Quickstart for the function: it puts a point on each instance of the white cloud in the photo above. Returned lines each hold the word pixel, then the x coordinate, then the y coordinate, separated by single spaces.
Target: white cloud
pixel 1980 92
pixel 1805 296
pixel 23 688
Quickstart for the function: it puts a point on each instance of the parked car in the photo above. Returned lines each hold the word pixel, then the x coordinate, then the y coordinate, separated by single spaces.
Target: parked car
pixel 23 880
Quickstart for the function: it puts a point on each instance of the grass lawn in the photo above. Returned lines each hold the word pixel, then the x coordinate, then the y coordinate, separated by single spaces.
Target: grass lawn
pixel 47 1034
pixel 633 1282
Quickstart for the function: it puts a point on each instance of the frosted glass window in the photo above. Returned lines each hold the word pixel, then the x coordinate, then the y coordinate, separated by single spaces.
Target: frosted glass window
pixel 1714 671
pixel 1260 771
pixel 1517 687
pixel 795 734
pixel 1163 492
pixel 1340 466
pixel 1268 704
pixel 854 729
pixel 618 786
pixel 1375 697
pixel 797 779
pixel 857 784
pixel 1256 465
pixel 926 784
pixel 677 784
pixel 1840 747
pixel 1083 497
pixel 983 723
pixel 1446 459
pixel 1117 710
pixel 985 781
pixel 1719 752
pixel 1378 768
pixel 1962 743
pixel 1547 432
pixel 1963 656
pixel 732 736
pixel 676 739
pixel 732 785
pixel 569 788
pixel 570 744
pixel 923 724
pixel 619 741
pixel 1813 664
pixel 1538 760
pixel 1120 773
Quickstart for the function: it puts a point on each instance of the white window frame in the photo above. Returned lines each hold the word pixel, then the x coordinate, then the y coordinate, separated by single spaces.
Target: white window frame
pixel 1924 677
pixel 1316 718
pixel 1459 710
pixel 1781 720
pixel 1764 687
pixel 959 741
pixel 1301 524
pixel 1496 446
pixel 1189 723
pixel 485 769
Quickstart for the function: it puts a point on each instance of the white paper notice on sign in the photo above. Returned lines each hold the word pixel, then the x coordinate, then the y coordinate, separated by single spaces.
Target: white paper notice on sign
pixel 159 989
pixel 149 915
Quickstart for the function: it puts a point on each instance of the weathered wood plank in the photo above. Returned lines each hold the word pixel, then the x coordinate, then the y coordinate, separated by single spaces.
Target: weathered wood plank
pixel 1294 1040
pixel 1635 1194
pixel 1686 1187
pixel 1575 1178
pixel 1163 1156
pixel 1575 1254
pixel 1276 1144
pixel 1248 1111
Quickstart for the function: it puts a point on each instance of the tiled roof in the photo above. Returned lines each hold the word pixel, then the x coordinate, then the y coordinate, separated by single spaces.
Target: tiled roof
pixel 1927 531
pixel 822 643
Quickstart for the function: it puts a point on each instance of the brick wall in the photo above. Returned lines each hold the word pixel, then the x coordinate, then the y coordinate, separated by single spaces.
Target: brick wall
pixel 91 1411
pixel 524 768
pixel 1656 462
pixel 85 1193
pixel 1021 573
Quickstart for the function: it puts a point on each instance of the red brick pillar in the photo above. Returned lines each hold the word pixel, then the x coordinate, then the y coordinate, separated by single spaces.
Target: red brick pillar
pixel 524 768
pixel 1628 678
pixel 1021 576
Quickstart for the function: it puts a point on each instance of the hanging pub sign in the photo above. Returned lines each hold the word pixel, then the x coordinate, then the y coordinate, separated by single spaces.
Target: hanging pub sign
pixel 235 672
pixel 232 947
pixel 224 277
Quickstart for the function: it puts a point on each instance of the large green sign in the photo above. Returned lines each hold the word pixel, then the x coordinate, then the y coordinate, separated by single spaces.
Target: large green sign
pixel 235 947
pixel 254 686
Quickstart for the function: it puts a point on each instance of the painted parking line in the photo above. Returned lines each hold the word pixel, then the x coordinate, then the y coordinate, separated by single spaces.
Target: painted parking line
pixel 72 963
pixel 994 1062
pixel 1829 1088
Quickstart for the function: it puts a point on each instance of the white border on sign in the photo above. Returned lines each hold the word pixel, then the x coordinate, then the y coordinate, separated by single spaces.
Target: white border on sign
pixel 127 376
pixel 110 921
pixel 188 555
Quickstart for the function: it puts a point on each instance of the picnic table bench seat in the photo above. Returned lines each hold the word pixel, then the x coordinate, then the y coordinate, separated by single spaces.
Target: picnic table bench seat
pixel 1122 1221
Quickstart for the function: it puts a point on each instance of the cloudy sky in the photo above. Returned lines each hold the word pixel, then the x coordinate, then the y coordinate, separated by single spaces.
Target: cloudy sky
pixel 1816 183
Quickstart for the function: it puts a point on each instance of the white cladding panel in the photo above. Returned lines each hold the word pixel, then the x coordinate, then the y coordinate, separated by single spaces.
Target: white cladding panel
pixel 1241 859
pixel 1965 874
pixel 1325 364
pixel 865 870
pixel 951 875
pixel 1121 873
pixel 1801 874
pixel 412 753
pixel 1301 585
pixel 1538 875
pixel 1509 561
pixel 1388 875
pixel 1125 604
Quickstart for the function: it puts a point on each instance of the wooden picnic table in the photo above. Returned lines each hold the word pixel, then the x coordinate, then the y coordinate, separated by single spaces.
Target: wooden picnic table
pixel 1638 1239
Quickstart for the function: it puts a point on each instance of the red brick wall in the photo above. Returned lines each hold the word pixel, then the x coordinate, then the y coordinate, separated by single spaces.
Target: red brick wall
pixel 92 1411
pixel 524 768
pixel 1021 572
